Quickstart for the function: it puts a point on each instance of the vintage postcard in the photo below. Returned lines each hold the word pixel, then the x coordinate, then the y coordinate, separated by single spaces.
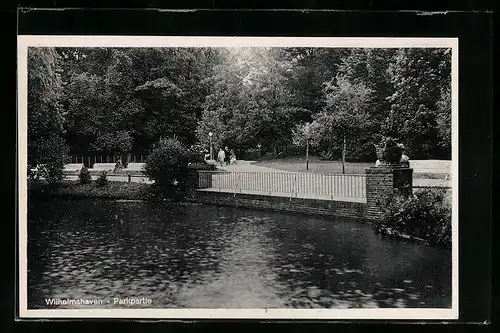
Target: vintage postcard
pixel 238 177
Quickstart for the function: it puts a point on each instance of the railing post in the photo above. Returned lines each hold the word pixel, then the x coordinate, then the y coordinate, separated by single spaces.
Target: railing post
pixel 236 187
pixel 294 188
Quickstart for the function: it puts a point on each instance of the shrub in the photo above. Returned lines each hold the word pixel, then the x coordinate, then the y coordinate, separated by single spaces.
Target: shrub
pixel 426 214
pixel 252 154
pixel 167 165
pixel 197 153
pixel 293 150
pixel 51 152
pixel 102 180
pixel 84 176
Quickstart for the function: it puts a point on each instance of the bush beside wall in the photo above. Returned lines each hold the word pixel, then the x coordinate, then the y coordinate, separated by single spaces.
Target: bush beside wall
pixel 167 165
pixel 425 215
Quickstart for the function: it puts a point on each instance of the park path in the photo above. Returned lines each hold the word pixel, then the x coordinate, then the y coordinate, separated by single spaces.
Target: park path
pixel 420 167
pixel 249 166
pixel 256 179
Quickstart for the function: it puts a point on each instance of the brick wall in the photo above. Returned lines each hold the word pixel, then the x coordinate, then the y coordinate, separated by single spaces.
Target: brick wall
pixel 380 185
pixel 327 208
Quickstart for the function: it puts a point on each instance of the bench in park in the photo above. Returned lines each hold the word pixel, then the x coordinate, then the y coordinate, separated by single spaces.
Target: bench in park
pixel 73 168
pixel 100 167
pixel 135 168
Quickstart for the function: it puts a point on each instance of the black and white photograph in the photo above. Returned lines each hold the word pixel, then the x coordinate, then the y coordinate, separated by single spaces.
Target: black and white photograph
pixel 238 177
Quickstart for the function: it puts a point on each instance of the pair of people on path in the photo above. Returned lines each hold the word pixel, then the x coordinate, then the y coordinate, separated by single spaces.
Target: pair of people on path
pixel 226 157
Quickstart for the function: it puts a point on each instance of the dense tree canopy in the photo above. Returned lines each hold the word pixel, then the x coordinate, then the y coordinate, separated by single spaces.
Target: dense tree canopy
pixel 420 77
pixel 121 100
pixel 124 99
pixel 345 116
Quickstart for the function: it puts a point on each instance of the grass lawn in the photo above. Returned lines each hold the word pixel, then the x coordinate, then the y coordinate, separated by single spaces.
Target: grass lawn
pixel 316 165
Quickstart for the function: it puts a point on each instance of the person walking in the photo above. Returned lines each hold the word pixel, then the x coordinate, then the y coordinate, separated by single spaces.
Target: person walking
pixel 232 157
pixel 221 156
pixel 227 157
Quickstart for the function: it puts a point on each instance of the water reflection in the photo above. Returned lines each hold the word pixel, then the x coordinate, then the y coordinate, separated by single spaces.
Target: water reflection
pixel 220 257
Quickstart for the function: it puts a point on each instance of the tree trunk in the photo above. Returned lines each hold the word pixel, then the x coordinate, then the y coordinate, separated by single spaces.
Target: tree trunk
pixel 307 155
pixel 343 156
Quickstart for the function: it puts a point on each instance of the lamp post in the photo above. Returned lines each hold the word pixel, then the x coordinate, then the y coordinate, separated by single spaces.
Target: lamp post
pixel 307 154
pixel 343 155
pixel 210 134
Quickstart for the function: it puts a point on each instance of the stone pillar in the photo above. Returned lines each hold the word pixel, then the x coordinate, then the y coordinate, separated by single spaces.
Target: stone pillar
pixel 380 184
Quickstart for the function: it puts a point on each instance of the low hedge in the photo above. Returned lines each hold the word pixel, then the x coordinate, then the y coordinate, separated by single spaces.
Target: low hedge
pixel 425 215
pixel 112 190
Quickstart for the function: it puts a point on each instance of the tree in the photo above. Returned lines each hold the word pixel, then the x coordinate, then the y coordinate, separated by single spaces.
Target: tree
pixel 301 137
pixel 418 76
pixel 310 67
pixel 370 67
pixel 100 99
pixel 175 92
pixel 45 113
pixel 339 127
pixel 222 101
pixel 119 142
pixel 249 103
pixel 140 93
pixel 443 120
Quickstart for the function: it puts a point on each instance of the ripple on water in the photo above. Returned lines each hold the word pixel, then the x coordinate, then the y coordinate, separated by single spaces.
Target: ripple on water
pixel 199 256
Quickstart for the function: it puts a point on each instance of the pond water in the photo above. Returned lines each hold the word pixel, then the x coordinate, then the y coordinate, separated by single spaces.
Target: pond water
pixel 188 255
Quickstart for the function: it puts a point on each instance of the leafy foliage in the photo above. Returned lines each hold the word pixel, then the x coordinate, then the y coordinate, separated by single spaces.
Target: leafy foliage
pixel 120 141
pixel 301 133
pixel 310 68
pixel 443 121
pixel 51 152
pixel 345 115
pixel 426 214
pixel 102 180
pixel 84 176
pixel 45 111
pixel 249 103
pixel 46 114
pixel 167 165
pixel 418 76
pixel 121 100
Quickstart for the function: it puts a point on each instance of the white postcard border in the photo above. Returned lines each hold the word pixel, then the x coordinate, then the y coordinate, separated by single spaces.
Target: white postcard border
pixel 25 41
